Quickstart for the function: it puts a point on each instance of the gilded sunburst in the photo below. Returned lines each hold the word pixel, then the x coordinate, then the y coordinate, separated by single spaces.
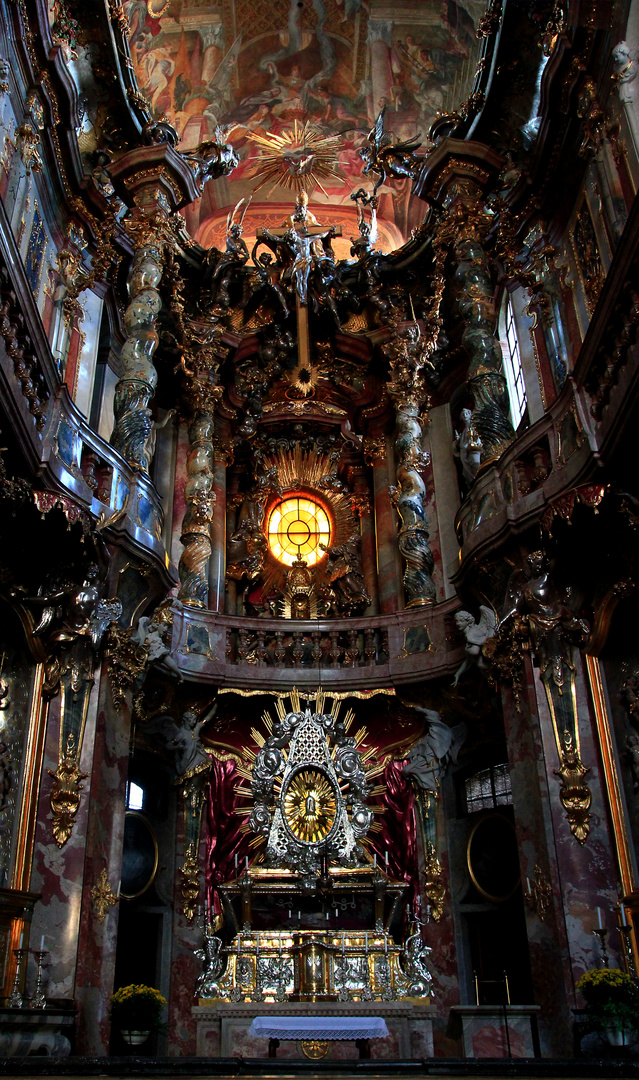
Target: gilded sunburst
pixel 299 158
pixel 310 805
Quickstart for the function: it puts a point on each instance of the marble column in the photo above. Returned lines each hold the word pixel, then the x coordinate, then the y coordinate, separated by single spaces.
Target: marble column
pixel 486 379
pixel 200 499
pixel 389 571
pixel 217 561
pixel 102 868
pixel 362 504
pixel 379 42
pixel 133 430
pixel 446 484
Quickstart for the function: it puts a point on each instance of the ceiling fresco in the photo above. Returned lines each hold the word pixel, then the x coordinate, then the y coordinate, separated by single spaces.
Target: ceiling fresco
pixel 257 66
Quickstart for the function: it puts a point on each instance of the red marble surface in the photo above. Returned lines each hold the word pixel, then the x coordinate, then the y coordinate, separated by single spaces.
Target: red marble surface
pixel 58 873
pixel 105 833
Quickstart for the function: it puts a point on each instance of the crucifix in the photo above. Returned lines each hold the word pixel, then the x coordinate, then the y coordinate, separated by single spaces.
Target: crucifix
pixel 309 244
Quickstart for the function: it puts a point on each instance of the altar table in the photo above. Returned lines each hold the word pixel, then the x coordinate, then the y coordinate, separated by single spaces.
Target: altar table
pixel 326 1028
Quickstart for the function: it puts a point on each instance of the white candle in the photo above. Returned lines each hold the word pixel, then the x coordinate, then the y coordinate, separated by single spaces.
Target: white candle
pixel 386 858
pixel 528 889
pixel 343 942
pixel 623 916
pixel 21 940
pixel 366 942
pixel 299 916
pixel 236 860
pixel 280 942
pixel 246 862
pixel 327 916
pixel 599 917
pixel 290 913
pixel 257 948
pixel 374 862
pixel 42 943
pixel 385 943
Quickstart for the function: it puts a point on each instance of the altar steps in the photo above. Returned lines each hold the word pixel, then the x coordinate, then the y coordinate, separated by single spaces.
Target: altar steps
pixel 34 1068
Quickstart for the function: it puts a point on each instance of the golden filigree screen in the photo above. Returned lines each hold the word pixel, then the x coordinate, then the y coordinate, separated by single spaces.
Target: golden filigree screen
pixel 296 528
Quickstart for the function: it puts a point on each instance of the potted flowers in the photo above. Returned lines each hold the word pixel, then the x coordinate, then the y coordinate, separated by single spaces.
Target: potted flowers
pixel 136 1010
pixel 612 1003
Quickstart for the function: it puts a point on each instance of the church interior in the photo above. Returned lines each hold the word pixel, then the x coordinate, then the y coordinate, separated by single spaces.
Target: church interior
pixel 319 682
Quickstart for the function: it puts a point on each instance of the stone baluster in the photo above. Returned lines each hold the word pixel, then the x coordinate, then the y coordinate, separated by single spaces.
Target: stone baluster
pixel 298 648
pixel 280 651
pixel 260 650
pixel 352 649
pixel 369 646
pixel 335 650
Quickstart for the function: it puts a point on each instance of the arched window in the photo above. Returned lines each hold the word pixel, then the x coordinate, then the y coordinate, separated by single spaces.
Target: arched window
pixel 297 526
pixel 512 362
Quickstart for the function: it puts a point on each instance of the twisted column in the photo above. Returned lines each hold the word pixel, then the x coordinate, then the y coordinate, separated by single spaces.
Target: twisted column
pixel 133 434
pixel 486 380
pixel 407 354
pixel 200 500
pixel 409 497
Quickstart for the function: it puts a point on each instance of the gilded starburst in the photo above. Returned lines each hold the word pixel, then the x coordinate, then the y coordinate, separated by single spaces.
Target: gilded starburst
pixel 299 158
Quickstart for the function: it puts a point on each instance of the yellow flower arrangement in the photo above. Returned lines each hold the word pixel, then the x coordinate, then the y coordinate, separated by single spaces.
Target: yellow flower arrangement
pixel 137 1007
pixel 612 998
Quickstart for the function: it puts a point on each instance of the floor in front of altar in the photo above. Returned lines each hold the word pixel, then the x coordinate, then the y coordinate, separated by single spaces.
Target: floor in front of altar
pixel 29 1068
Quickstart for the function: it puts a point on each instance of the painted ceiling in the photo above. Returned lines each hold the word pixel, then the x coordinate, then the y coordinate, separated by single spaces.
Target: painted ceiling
pixel 260 65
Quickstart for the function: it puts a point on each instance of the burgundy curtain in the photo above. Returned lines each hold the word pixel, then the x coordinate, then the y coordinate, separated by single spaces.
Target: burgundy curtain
pixel 224 840
pixel 399 829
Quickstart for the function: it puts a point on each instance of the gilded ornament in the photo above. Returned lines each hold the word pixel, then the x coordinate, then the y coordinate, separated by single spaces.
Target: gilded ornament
pixel 126 660
pixel 189 884
pixel 537 894
pixel 574 792
pixel 65 792
pixel 103 897
pixel 434 888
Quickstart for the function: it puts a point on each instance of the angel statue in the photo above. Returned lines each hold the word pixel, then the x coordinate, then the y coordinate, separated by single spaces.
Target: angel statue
pixel 476 633
pixel 213 158
pixel 236 254
pixel 386 159
pixel 363 244
pixel 151 632
pixel 429 758
pixel 211 954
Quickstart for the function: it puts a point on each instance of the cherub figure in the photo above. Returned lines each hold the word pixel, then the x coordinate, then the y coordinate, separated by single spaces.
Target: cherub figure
pixel 151 632
pixel 476 633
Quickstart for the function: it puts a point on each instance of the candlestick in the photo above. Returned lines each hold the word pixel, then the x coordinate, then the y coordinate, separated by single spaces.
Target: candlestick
pixel 15 1001
pixel 601 934
pixel 39 1001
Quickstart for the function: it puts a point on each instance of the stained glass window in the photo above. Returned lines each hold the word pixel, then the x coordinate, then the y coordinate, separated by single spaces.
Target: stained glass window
pixel 296 528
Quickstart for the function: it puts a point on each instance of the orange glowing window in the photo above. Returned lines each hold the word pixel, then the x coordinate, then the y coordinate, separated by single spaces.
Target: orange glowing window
pixel 296 528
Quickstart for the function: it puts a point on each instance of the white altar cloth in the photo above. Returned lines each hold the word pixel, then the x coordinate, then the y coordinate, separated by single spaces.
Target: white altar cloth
pixel 319 1027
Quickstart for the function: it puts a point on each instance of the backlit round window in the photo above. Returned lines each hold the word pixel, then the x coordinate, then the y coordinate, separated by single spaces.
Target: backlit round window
pixel 296 528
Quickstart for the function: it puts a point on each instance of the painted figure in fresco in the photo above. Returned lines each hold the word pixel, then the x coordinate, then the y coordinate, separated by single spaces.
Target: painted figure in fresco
pixel 476 634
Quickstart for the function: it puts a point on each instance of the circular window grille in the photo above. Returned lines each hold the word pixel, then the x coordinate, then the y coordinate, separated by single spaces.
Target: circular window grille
pixel 296 528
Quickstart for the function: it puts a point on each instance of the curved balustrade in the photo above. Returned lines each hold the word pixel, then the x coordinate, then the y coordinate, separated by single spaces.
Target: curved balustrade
pixel 70 457
pixel 383 650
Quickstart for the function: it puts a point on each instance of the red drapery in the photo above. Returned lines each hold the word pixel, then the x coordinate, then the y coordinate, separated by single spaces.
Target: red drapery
pixel 224 840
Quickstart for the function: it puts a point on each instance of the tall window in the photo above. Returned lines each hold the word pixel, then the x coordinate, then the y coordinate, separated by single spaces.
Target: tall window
pixel 512 363
pixel 488 789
